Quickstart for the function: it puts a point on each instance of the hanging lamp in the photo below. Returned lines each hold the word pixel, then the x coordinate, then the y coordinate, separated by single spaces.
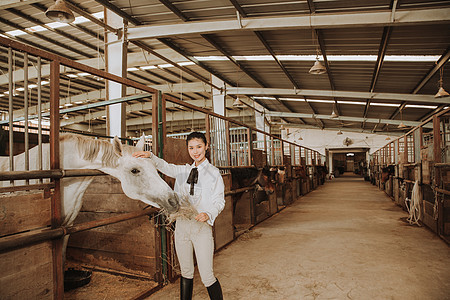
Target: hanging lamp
pixel 339 132
pixel 318 68
pixel 333 114
pixel 238 103
pixel 401 125
pixel 441 92
pixel 59 12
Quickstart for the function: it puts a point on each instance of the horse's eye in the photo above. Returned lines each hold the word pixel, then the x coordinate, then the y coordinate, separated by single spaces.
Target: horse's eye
pixel 135 171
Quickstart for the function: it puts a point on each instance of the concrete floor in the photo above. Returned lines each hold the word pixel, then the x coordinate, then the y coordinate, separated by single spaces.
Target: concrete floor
pixel 344 240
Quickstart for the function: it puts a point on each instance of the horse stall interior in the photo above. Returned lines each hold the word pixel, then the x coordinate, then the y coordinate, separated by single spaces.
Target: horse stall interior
pixel 114 234
pixel 420 157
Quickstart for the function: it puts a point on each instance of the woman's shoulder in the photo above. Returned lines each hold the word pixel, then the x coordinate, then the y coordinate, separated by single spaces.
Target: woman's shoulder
pixel 213 168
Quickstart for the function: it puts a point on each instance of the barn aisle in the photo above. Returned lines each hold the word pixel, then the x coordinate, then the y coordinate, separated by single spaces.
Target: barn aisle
pixel 344 240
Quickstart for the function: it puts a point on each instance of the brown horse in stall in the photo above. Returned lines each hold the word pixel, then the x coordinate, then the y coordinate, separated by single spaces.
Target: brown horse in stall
pixel 386 172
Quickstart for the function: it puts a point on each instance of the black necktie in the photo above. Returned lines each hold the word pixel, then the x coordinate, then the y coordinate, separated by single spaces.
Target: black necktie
pixel 192 179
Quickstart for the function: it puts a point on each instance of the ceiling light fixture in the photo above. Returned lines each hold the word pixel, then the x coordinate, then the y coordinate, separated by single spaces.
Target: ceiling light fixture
pixel 318 68
pixel 441 92
pixel 59 12
pixel 401 125
pixel 339 132
pixel 238 103
pixel 333 114
pixel 388 138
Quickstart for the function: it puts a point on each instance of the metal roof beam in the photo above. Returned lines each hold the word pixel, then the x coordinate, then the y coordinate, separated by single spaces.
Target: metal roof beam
pixel 175 10
pixel 380 59
pixel 435 111
pixel 119 12
pixel 327 65
pixel 177 115
pixel 211 40
pixel 238 8
pixel 340 118
pixel 318 21
pixel 55 30
pixel 133 59
pixel 439 64
pixel 93 34
pixel 312 7
pixel 43 37
pixel 429 99
pixel 16 3
pixel 79 10
pixel 285 71
pixel 38 46
pixel 100 94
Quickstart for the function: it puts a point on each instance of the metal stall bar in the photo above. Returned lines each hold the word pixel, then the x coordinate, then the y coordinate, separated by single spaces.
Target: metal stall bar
pixel 25 104
pixel 39 104
pixel 57 245
pixel 250 146
pixel 25 239
pixel 10 109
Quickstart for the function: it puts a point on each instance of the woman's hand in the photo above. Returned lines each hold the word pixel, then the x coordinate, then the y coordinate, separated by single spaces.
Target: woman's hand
pixel 145 154
pixel 202 217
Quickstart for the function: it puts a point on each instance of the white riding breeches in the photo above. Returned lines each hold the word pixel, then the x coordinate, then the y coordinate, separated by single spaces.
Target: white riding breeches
pixel 190 236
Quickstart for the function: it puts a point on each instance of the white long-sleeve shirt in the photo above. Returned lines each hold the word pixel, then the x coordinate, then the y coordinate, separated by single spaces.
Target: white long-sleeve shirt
pixel 208 191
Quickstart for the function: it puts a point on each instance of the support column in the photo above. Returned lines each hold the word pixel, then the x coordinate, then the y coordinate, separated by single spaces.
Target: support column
pixel 116 63
pixel 218 99
pixel 330 160
pixel 260 124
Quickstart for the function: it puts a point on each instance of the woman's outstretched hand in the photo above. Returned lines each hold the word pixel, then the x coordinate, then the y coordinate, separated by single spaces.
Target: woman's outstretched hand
pixel 202 217
pixel 145 154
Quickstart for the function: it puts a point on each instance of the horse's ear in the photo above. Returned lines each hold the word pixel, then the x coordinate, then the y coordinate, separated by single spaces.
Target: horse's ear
pixel 140 145
pixel 117 146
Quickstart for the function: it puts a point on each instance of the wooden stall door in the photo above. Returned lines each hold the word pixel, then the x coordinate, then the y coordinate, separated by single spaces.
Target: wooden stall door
pixel 128 246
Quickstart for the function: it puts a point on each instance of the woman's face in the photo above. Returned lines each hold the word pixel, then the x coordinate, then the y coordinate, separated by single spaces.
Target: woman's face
pixel 197 150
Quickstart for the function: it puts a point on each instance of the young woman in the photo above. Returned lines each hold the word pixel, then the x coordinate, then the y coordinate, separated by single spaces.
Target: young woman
pixel 202 184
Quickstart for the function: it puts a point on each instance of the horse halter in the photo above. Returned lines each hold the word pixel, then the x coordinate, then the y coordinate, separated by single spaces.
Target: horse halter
pixel 192 179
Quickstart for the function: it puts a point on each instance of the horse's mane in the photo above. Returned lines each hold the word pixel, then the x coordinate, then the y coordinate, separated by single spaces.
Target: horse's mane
pixel 89 148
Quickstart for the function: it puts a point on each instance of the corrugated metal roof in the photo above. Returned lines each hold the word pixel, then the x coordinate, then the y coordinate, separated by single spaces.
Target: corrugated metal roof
pixel 374 40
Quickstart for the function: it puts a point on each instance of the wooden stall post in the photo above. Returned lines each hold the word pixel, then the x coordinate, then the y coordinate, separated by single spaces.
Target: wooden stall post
pixel 58 272
pixel 155 98
pixel 158 123
pixel 250 146
pixel 208 133
pixel 228 142
pixel 265 148
pixel 437 176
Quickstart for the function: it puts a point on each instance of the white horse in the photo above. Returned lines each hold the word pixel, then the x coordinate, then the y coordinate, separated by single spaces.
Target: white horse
pixel 138 176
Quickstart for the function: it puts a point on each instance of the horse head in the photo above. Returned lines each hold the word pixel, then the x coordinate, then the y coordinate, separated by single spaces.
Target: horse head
pixel 140 179
pixel 386 172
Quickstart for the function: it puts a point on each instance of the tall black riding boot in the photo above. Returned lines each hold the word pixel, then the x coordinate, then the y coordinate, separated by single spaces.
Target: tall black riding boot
pixel 186 286
pixel 215 291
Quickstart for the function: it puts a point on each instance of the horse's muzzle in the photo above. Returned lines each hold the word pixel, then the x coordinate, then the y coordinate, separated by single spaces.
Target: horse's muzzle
pixel 174 203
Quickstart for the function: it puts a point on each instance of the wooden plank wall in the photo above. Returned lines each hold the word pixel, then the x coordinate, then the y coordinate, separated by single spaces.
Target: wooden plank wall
pixel 223 225
pixel 26 273
pixel 125 247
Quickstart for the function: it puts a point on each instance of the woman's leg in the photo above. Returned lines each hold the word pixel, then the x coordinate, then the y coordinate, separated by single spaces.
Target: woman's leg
pixel 203 242
pixel 184 249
